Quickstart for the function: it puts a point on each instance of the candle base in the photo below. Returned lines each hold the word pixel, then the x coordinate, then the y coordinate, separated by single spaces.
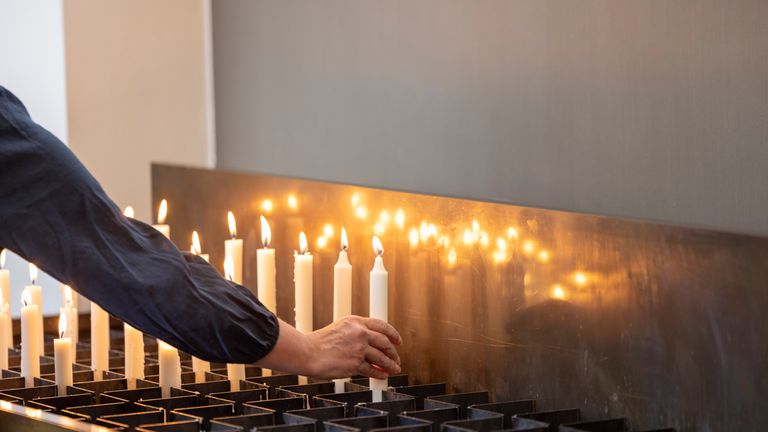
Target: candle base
pixel 339 384
pixel 377 387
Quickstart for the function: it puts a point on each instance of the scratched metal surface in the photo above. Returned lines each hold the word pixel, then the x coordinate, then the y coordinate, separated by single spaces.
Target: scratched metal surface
pixel 662 324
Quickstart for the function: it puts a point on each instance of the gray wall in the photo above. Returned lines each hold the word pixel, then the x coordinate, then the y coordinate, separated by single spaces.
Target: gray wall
pixel 649 109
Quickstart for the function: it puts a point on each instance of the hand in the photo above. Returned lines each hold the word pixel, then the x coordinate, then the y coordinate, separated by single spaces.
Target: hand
pixel 354 346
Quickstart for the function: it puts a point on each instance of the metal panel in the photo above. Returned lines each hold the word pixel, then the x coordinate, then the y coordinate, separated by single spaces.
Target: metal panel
pixel 660 324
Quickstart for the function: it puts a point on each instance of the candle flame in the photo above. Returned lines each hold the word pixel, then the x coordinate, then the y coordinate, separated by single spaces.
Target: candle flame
pixel 322 241
pixel 232 225
pixel 68 295
pixel 344 242
pixel 62 323
pixel 378 248
pixel 128 212
pixel 467 237
pixel 384 216
pixel 162 212
pixel 400 218
pixel 355 199
pixel 229 268
pixel 528 247
pixel 32 273
pixel 303 245
pixel 379 228
pixel 26 297
pixel 361 212
pixel 501 244
pixel 2 258
pixel 544 256
pixel 266 232
pixel 475 226
pixel 196 248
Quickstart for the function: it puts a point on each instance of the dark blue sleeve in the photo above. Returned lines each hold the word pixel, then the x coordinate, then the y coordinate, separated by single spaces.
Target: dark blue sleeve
pixel 56 215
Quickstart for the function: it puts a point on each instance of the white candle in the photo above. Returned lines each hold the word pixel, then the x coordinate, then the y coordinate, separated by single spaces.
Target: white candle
pixel 134 355
pixel 5 288
pixel 5 312
pixel 266 274
pixel 170 368
pixel 200 367
pixel 70 305
pixel 30 355
pixel 379 305
pixel 162 213
pixel 99 341
pixel 302 278
pixel 233 248
pixel 63 357
pixel 36 295
pixel 235 373
pixel 342 292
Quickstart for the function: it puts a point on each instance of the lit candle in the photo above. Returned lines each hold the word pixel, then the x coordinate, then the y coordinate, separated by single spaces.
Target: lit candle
pixel 134 355
pixel 63 357
pixel 200 367
pixel 36 296
pixel 379 305
pixel 162 213
pixel 302 278
pixel 5 287
pixel 342 292
pixel 5 312
pixel 99 341
pixel 196 249
pixel 233 248
pixel 235 372
pixel 170 368
pixel 266 274
pixel 30 354
pixel 70 308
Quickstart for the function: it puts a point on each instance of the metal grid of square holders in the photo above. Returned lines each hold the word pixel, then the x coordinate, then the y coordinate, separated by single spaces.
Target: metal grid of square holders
pixel 273 403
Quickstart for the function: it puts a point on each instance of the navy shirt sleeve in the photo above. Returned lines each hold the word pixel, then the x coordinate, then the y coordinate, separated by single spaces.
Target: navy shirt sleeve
pixel 56 215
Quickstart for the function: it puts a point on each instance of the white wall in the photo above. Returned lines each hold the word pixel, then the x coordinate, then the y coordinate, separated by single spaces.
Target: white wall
pixel 32 67
pixel 647 109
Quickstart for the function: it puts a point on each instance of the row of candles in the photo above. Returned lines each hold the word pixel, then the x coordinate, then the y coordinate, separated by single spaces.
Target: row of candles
pixel 168 357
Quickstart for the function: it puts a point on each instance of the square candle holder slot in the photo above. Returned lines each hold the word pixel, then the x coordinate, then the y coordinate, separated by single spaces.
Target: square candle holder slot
pixel 314 415
pixel 279 406
pixel 59 403
pixel 204 413
pixel 238 398
pixel 436 416
pixel 507 409
pixel 307 391
pixel 379 421
pixel 419 392
pixel 391 407
pixel 492 423
pixel 607 425
pixel 555 417
pixel 179 426
pixel 243 422
pixel 463 400
pixel 347 399
pixel 130 421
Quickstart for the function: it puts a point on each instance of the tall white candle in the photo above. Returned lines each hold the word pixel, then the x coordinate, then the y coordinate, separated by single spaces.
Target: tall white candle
pixel 30 355
pixel 266 274
pixel 200 367
pixel 99 341
pixel 162 213
pixel 5 288
pixel 36 294
pixel 233 248
pixel 134 355
pixel 70 305
pixel 63 356
pixel 379 305
pixel 5 311
pixel 265 269
pixel 342 292
pixel 302 278
pixel 235 372
pixel 170 368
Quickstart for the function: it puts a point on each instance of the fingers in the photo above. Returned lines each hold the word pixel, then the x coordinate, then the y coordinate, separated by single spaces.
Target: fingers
pixel 384 328
pixel 378 358
pixel 366 369
pixel 383 344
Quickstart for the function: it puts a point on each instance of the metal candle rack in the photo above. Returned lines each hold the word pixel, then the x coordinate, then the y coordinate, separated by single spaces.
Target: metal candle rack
pixel 274 403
